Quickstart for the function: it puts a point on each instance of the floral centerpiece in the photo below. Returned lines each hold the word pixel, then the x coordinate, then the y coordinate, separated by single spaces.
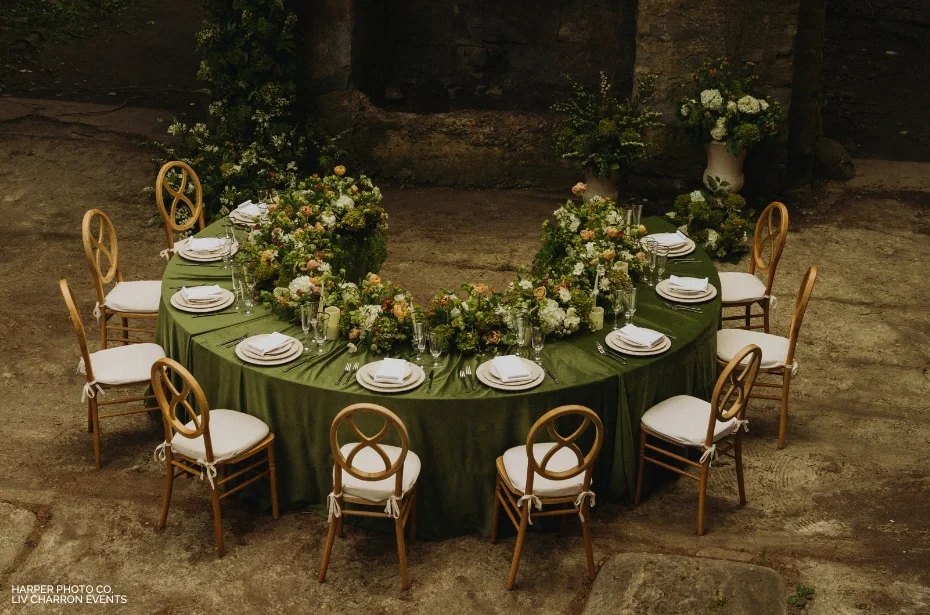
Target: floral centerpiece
pixel 603 135
pixel 722 112
pixel 558 305
pixel 716 219
pixel 470 324
pixel 375 315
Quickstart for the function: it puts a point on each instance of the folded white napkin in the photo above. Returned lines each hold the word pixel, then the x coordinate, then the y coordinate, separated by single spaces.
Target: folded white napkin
pixel 204 244
pixel 391 370
pixel 640 336
pixel 670 240
pixel 248 209
pixel 268 343
pixel 511 367
pixel 202 293
pixel 685 284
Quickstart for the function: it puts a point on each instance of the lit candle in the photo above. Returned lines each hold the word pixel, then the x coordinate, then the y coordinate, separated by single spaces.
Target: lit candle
pixel 332 325
pixel 597 318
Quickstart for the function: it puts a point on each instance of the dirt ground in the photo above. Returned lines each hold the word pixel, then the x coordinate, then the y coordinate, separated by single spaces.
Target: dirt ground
pixel 842 508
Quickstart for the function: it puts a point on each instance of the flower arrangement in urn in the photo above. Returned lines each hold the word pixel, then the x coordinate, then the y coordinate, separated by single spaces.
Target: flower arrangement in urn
pixel 715 218
pixel 721 112
pixel 603 135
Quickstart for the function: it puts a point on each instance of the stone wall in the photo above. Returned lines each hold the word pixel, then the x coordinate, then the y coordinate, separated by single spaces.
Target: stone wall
pixel 914 11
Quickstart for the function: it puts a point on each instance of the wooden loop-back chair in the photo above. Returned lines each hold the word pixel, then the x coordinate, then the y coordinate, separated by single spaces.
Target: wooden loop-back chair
pixel 191 448
pixel 384 477
pixel 179 197
pixel 669 421
pixel 767 246
pixel 524 480
pixel 101 250
pixel 116 367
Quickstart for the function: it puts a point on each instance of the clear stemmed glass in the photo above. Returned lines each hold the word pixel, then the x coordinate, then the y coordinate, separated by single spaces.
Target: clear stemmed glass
pixel 236 287
pixel 229 241
pixel 314 312
pixel 419 339
pixel 306 325
pixel 520 330
pixel 649 247
pixel 661 261
pixel 248 290
pixel 629 305
pixel 627 218
pixel 617 299
pixel 435 347
pixel 319 330
pixel 637 215
pixel 538 339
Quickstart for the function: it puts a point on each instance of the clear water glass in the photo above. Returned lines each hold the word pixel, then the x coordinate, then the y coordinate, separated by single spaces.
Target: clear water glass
pixel 637 215
pixel 617 300
pixel 649 248
pixel 520 331
pixel 248 291
pixel 435 347
pixel 319 330
pixel 538 338
pixel 629 305
pixel 236 287
pixel 306 325
pixel 419 340
pixel 661 261
pixel 314 311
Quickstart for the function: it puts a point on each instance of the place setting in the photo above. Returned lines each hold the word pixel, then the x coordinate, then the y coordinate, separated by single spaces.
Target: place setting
pixel 202 299
pixel 678 244
pixel 207 249
pixel 510 373
pixel 247 213
pixel 638 341
pixel 268 349
pixel 390 375
pixel 685 289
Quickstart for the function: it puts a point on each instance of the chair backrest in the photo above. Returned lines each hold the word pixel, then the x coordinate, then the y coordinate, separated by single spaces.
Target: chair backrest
pixel 178 188
pixel 99 238
pixel 78 327
pixel 585 462
pixel 731 393
pixel 800 306
pixel 769 241
pixel 344 462
pixel 165 372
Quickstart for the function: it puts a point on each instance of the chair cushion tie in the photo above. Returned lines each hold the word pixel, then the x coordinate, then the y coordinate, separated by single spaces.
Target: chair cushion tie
pixel 209 468
pixel 773 301
pixel 332 505
pixel 393 506
pixel 97 313
pixel 531 500
pixel 90 390
pixel 160 451
pixel 710 452
pixel 579 502
pixel 744 423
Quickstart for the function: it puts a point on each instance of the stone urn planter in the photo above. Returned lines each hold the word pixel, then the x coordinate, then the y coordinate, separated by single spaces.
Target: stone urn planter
pixel 726 166
pixel 604 187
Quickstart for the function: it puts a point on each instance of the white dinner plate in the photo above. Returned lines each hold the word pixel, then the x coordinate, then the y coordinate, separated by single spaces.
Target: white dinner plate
pixel 483 372
pixel 416 379
pixel 186 306
pixel 682 250
pixel 663 290
pixel 204 257
pixel 368 371
pixel 616 342
pixel 297 349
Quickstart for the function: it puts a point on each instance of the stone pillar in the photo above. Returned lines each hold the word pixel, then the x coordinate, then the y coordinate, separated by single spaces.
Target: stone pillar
pixel 326 51
pixel 804 124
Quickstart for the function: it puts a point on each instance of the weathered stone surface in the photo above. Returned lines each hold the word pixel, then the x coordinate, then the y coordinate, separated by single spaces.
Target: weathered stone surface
pixel 648 584
pixel 832 160
pixel 15 526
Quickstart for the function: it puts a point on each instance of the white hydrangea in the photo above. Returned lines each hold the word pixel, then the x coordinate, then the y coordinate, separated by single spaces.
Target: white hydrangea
pixel 328 220
pixel 613 217
pixel 300 285
pixel 731 105
pixel 455 312
pixel 719 131
pixel 748 104
pixel 712 99
pixel 345 202
pixel 526 284
pixel 551 316
pixel 697 196
pixel 325 268
pixel 572 321
pixel 370 314
pixel 565 295
pixel 712 237
pixel 590 249
pixel 579 267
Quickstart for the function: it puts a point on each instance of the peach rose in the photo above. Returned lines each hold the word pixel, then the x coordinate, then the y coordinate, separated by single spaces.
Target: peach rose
pixel 586 234
pixel 340 170
pixel 306 210
pixel 539 292
pixel 400 310
pixel 272 207
pixel 608 255
pixel 640 256
pixel 374 280
pixel 613 232
pixel 482 289
pixel 319 227
pixel 579 188
pixel 642 229
pixel 268 256
pixel 354 189
pixel 354 334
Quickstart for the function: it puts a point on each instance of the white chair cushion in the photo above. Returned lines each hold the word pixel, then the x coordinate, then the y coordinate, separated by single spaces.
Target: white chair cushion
pixel 124 364
pixel 774 348
pixel 367 460
pixel 140 297
pixel 736 287
pixel 516 465
pixel 231 433
pixel 683 419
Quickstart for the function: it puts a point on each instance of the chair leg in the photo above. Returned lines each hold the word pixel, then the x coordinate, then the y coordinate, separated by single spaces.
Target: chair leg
pixel 217 522
pixel 95 430
pixel 642 466
pixel 412 518
pixel 738 458
pixel 273 479
pixel 125 323
pixel 766 306
pixel 102 325
pixel 340 525
pixel 90 417
pixel 496 511
pixel 401 553
pixel 586 533
pixel 518 548
pixel 328 549
pixel 748 316
pixel 783 421
pixel 169 485
pixel 702 497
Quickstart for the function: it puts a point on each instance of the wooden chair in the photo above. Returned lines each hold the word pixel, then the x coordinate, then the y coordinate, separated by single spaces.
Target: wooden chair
pixel 122 366
pixel 744 290
pixel 778 360
pixel 126 300
pixel 210 441
pixel 683 421
pixel 179 196
pixel 544 474
pixel 370 474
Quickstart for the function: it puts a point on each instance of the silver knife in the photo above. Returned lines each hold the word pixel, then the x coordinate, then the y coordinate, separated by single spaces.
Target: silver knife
pixel 554 379
pixel 429 387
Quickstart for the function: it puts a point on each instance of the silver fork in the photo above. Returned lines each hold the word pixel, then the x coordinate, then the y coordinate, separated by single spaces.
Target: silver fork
pixel 613 356
pixel 344 372
pixel 464 380
pixel 354 370
pixel 684 308
pixel 474 383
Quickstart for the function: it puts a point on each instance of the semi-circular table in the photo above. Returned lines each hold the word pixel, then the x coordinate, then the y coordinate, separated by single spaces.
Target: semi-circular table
pixel 456 434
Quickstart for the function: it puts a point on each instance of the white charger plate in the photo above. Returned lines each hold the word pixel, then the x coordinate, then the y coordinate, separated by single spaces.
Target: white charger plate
pixel 178 301
pixel 484 374
pixel 614 340
pixel 369 370
pixel 297 349
pixel 417 378
pixel 663 290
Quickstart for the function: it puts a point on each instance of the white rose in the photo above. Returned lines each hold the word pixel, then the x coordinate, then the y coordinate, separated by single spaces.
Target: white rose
pixel 325 268
pixel 748 104
pixel 697 196
pixel 685 110
pixel 328 220
pixel 345 202
pixel 712 99
pixel 604 284
pixel 565 295
pixel 719 131
pixel 579 267
pixel 455 312
pixel 300 285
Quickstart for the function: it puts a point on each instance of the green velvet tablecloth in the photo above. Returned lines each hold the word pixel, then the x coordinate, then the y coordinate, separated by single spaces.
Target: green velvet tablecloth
pixel 457 435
